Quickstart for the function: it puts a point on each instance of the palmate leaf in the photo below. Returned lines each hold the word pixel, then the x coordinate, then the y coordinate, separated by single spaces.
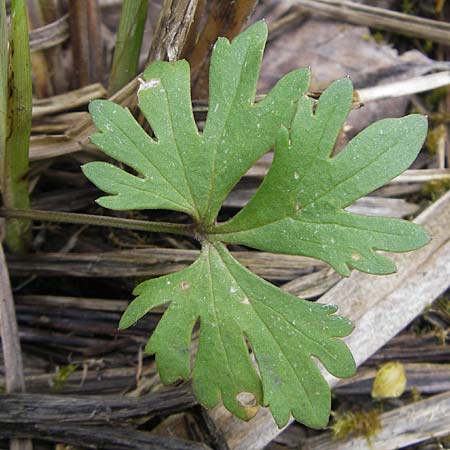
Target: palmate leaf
pixel 299 209
pixel 299 206
pixel 182 169
pixel 231 302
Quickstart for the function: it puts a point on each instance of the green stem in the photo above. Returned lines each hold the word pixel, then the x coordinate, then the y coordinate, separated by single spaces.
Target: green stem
pixel 103 221
pixel 14 154
pixel 128 43
pixel 3 86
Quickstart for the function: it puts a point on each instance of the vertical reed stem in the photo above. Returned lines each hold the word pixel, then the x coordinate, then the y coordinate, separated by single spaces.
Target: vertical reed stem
pixel 14 154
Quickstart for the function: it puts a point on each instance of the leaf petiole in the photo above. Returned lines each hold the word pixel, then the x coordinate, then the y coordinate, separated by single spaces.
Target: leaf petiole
pixel 92 219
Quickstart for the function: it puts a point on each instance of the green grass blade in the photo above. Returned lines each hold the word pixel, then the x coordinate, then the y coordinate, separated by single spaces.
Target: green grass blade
pixel 3 83
pixel 15 155
pixel 128 43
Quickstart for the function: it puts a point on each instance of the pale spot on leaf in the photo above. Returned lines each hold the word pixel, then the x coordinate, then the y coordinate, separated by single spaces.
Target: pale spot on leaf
pixel 185 285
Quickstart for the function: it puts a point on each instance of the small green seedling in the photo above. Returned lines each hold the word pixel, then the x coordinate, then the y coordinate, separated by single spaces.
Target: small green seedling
pixel 299 210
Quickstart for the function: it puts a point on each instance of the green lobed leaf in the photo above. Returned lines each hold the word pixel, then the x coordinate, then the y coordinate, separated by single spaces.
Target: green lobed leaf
pixel 254 337
pixel 232 304
pixel 299 206
pixel 182 169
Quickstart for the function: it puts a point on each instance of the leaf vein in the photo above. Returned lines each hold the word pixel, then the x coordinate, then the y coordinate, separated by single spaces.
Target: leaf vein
pixel 354 174
pixel 144 154
pixel 213 303
pixel 177 147
pixel 220 136
pixel 250 298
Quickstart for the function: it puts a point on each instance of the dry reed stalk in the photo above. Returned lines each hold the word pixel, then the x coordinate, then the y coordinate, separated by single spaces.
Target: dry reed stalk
pixel 86 41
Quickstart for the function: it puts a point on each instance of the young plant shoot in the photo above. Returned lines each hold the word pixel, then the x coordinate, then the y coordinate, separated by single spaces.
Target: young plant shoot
pixel 299 209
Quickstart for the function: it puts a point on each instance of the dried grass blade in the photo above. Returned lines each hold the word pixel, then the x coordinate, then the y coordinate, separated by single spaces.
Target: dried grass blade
pixel 86 39
pixel 381 18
